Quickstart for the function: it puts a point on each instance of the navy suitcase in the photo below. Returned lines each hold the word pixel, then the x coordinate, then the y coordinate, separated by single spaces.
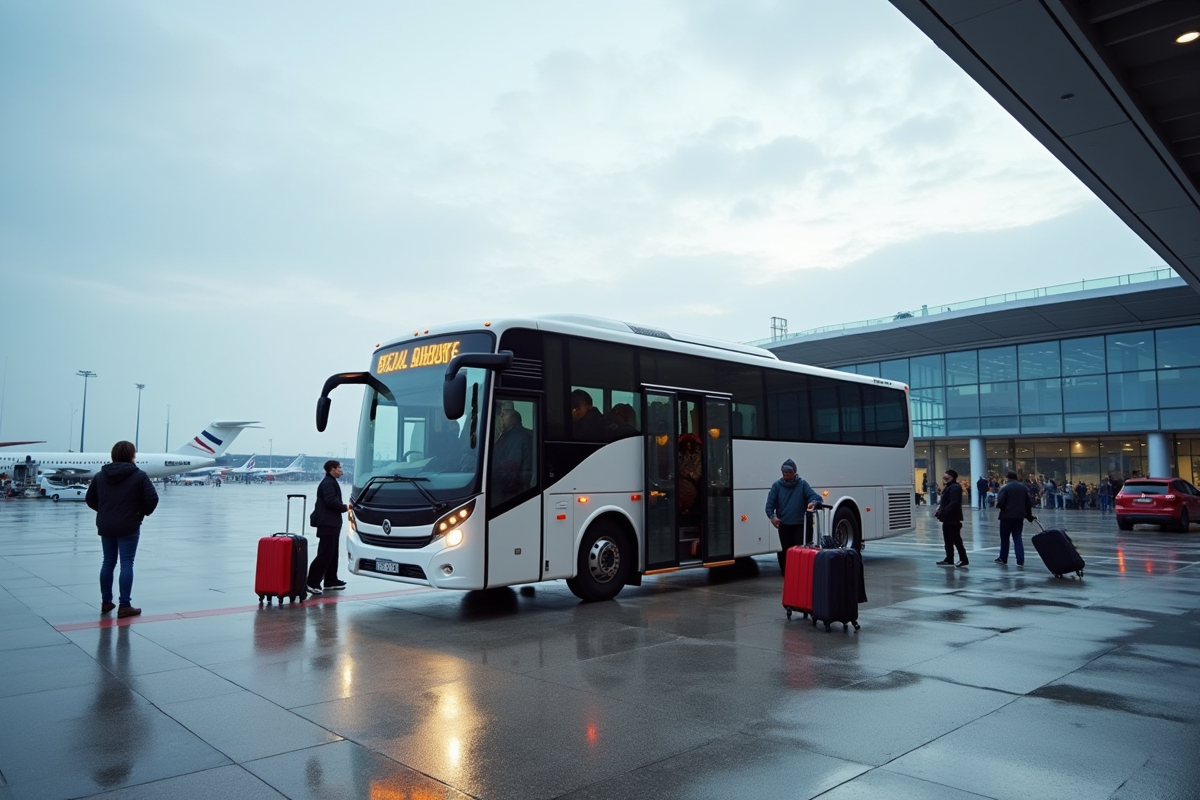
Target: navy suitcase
pixel 1057 551
pixel 837 587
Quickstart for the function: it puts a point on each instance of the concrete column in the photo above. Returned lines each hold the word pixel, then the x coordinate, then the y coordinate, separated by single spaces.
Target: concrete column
pixel 1158 455
pixel 978 461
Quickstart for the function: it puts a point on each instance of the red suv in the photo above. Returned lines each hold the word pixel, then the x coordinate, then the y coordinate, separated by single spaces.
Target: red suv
pixel 1157 501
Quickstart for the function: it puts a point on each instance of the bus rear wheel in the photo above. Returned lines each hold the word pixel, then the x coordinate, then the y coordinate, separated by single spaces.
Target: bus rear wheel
pixel 604 561
pixel 845 529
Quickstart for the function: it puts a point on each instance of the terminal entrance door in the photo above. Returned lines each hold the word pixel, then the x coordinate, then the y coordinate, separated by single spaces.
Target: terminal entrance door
pixel 689 478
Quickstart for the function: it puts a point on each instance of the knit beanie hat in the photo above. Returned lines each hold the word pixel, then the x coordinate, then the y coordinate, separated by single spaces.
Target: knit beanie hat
pixel 788 465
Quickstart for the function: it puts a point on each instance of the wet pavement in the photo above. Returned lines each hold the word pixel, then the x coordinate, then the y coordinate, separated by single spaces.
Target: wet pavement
pixel 982 682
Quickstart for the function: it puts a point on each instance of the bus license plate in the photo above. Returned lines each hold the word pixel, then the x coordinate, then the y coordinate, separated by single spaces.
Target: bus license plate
pixel 390 567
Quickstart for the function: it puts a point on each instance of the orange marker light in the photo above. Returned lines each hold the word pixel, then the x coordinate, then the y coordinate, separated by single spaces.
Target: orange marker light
pixel 487 324
pixel 825 493
pixel 581 500
pixel 744 518
pixel 868 508
pixel 635 497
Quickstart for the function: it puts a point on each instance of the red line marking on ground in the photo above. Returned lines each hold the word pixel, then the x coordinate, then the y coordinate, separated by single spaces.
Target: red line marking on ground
pixel 114 621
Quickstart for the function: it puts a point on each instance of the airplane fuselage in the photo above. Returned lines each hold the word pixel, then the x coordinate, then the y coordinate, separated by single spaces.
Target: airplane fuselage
pixel 86 465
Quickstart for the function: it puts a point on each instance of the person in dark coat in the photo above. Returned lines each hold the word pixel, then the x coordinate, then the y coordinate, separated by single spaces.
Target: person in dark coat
pixel 981 490
pixel 122 496
pixel 788 502
pixel 326 517
pixel 1015 508
pixel 949 511
pixel 512 455
pixel 587 423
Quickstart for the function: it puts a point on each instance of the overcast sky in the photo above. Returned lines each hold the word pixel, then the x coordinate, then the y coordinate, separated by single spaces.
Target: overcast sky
pixel 230 201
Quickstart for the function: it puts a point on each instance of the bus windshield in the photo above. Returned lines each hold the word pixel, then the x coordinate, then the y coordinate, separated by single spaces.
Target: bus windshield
pixel 408 435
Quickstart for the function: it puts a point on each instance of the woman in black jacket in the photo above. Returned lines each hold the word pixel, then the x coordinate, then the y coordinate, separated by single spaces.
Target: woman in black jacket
pixel 949 511
pixel 122 496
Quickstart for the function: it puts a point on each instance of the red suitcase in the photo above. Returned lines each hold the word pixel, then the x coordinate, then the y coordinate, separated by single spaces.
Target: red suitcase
pixel 798 580
pixel 282 568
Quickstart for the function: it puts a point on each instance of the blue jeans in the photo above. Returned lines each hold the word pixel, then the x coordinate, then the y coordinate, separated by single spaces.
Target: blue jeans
pixel 124 548
pixel 1012 527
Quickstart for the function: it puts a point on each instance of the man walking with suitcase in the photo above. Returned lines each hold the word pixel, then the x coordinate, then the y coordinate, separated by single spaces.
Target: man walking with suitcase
pixel 326 517
pixel 1015 507
pixel 788 502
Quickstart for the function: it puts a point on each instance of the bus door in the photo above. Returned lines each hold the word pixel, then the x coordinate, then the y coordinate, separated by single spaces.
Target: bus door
pixel 689 478
pixel 514 491
pixel 661 427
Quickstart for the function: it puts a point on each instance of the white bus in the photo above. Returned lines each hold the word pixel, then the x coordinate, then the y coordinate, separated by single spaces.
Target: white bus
pixel 668 469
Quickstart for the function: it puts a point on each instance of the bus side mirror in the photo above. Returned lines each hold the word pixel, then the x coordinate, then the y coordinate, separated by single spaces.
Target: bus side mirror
pixel 323 404
pixel 454 390
pixel 454 396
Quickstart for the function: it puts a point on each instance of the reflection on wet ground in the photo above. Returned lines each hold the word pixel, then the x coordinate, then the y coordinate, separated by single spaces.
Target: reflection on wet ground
pixel 989 681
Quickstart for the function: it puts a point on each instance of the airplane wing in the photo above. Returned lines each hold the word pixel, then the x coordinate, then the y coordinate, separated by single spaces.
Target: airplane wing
pixel 14 444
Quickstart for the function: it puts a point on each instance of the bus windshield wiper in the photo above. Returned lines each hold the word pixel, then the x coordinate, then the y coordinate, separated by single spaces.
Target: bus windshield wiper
pixel 378 481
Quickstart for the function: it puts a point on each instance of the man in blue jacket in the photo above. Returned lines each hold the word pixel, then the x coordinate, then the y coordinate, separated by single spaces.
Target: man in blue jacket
pixel 788 502
pixel 326 517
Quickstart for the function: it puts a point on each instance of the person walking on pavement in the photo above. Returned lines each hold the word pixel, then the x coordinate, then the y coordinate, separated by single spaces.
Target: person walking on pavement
pixel 949 512
pixel 788 502
pixel 326 517
pixel 1015 508
pixel 981 489
pixel 122 496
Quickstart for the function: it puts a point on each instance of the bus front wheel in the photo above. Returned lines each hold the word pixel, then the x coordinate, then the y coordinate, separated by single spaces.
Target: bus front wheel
pixel 845 529
pixel 604 561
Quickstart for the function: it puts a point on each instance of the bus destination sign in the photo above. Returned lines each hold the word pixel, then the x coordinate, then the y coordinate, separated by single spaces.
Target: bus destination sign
pixel 417 355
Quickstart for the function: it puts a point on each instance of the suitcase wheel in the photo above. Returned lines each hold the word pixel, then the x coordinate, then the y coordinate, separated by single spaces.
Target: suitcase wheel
pixel 856 625
pixel 260 599
pixel 1079 573
pixel 814 621
pixel 828 627
pixel 789 613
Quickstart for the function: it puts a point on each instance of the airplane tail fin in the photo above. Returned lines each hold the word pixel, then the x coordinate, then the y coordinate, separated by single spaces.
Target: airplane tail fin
pixel 298 462
pixel 249 465
pixel 215 439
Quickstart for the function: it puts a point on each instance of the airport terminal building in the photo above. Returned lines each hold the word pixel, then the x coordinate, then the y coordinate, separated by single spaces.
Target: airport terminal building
pixel 1073 382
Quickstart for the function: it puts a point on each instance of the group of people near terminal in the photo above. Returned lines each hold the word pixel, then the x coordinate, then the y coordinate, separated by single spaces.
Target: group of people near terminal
pixel 1046 493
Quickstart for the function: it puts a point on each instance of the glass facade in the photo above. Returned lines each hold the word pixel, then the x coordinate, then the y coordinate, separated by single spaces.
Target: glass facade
pixel 1145 380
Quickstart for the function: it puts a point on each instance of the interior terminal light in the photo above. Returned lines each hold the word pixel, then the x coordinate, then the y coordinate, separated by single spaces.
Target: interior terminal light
pixel 1187 38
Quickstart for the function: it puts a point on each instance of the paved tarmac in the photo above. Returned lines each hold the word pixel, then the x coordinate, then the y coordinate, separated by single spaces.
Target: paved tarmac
pixel 962 683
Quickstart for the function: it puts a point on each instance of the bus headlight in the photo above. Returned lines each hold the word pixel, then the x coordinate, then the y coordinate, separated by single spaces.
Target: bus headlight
pixel 448 525
pixel 353 521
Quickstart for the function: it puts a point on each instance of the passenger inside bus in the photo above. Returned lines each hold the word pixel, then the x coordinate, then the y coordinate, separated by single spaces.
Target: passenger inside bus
pixel 622 422
pixel 512 455
pixel 587 423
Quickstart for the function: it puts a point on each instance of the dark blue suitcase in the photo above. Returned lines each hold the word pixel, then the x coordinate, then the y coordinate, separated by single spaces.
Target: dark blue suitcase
pixel 1057 551
pixel 837 587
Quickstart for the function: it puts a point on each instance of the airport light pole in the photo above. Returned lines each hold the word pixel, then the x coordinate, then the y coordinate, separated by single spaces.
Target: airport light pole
pixel 138 427
pixel 85 374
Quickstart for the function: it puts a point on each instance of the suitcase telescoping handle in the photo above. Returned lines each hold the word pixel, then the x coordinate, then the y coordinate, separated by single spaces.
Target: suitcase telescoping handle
pixel 817 516
pixel 303 505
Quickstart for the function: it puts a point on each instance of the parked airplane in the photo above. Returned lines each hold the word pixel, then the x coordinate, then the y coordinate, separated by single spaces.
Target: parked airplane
pixel 271 473
pixel 208 472
pixel 202 451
